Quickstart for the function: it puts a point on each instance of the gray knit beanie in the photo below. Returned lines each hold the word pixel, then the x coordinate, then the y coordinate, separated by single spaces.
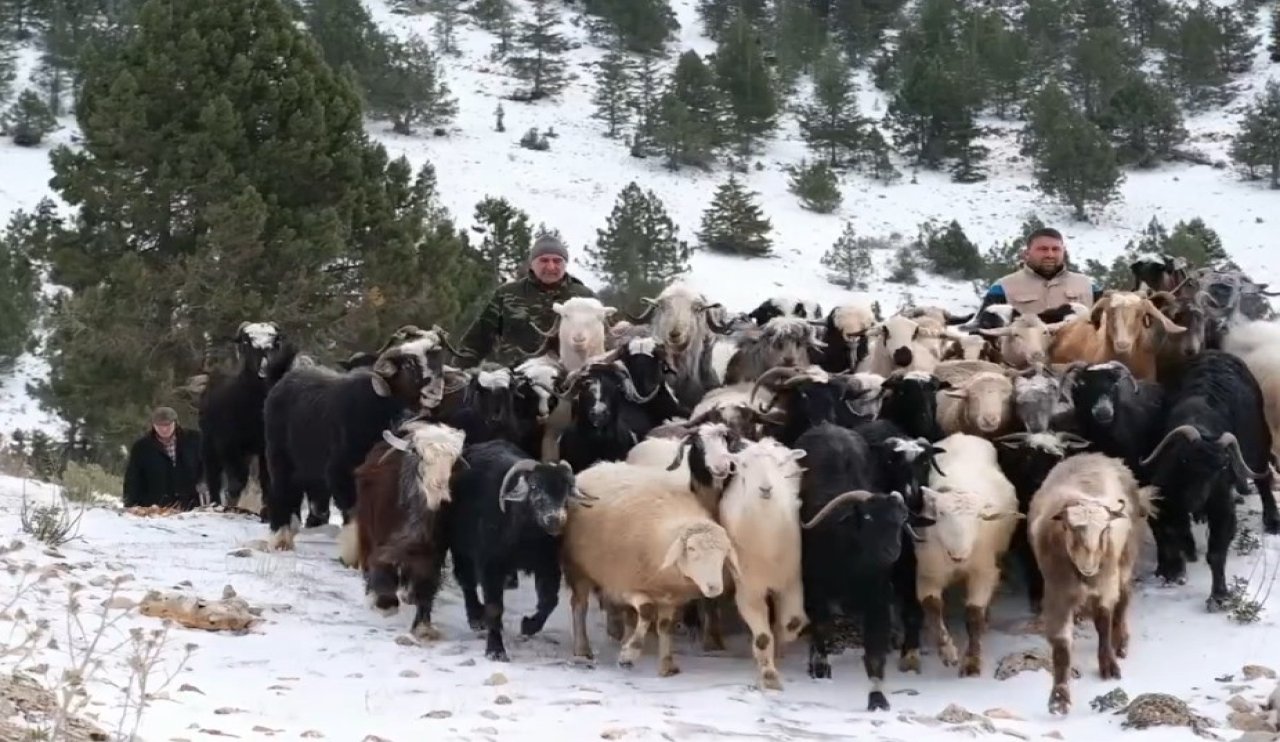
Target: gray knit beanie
pixel 548 245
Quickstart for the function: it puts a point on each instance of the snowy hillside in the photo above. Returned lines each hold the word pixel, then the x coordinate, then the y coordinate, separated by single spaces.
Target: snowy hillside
pixel 320 664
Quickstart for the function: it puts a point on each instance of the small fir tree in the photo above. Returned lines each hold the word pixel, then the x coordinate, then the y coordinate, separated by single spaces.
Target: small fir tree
pixel 1257 143
pixel 816 186
pixel 410 91
pixel 540 61
pixel 1274 46
pixel 734 222
pixel 905 266
pixel 830 124
pixel 613 85
pixel 646 97
pixel 447 14
pixel 640 245
pixel 849 260
pixel 504 249
pixel 949 252
pixel 28 120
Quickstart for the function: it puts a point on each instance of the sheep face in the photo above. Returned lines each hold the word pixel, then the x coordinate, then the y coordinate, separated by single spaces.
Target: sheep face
pixel 546 489
pixel 1024 342
pixel 257 344
pixel 966 348
pixel 582 323
pixel 958 518
pixel 987 397
pixel 700 552
pixel 896 336
pixel 1088 530
pixel 1036 399
pixel 430 451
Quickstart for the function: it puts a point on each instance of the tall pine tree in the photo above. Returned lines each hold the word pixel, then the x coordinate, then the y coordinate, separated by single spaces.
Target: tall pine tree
pixel 830 124
pixel 1074 161
pixel 690 114
pixel 644 26
pixel 507 237
pixel 410 89
pixel 1257 144
pixel 540 61
pixel 614 75
pixel 734 222
pixel 748 86
pixel 19 290
pixel 639 248
pixel 1274 46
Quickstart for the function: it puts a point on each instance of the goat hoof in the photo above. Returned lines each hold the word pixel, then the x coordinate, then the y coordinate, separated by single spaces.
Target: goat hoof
pixel 427 632
pixel 910 661
pixel 497 655
pixel 1217 603
pixel 1059 700
pixel 1271 526
pixel 950 657
pixel 626 664
pixel 876 701
pixel 530 625
pixel 971 668
pixel 1109 669
pixel 820 669
pixel 667 669
pixel 769 680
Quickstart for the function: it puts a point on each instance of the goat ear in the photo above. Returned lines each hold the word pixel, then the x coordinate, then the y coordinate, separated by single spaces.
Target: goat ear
pixel 957 393
pixel 394 441
pixel 380 385
pixel 797 454
pixel 674 552
pixel 558 308
pixel 610 311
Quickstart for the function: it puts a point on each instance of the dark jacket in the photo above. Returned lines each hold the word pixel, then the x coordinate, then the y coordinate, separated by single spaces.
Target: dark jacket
pixel 152 478
pixel 507 330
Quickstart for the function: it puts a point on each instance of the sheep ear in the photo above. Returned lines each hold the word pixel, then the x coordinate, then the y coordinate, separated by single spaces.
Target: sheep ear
pixel 399 444
pixel 558 307
pixel 674 552
pixel 380 385
pixel 957 393
pixel 610 311
pixel 797 454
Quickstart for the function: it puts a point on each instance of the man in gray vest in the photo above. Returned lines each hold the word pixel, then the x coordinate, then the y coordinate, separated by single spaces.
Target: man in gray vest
pixel 1043 282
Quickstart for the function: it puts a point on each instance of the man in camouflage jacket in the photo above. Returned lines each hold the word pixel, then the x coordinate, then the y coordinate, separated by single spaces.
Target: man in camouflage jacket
pixel 507 331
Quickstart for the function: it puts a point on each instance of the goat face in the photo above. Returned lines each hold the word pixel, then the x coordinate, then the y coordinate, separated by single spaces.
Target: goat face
pixel 767 467
pixel 597 392
pixel 958 516
pixel 491 393
pixel 582 323
pixel 1127 315
pixel 646 362
pixel 546 488
pixel 678 316
pixel 1157 272
pixel 411 367
pixel 787 341
pixel 430 450
pixel 716 444
pixel 700 553
pixel 1024 342
pixel 536 382
pixel 1095 391
pixel 257 344
pixel 1186 313
pixel 911 399
pixel 1036 398
pixel 907 462
pixel 871 523
pixel 1087 532
pixel 865 392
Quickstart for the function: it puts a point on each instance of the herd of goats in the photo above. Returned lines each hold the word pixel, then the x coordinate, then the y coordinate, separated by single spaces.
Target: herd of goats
pixel 793 462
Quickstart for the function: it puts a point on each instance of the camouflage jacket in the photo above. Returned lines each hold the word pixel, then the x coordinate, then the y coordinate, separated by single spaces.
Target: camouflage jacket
pixel 508 327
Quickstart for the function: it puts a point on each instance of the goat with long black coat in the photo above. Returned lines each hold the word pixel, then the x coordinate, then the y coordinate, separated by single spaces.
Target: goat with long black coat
pixel 911 401
pixel 507 514
pixel 608 416
pixel 231 413
pixel 1216 440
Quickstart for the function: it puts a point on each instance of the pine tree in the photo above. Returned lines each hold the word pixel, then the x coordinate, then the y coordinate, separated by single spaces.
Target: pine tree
pixel 874 159
pixel 1146 20
pixel 410 91
pixel 1004 56
pixel 644 26
pixel 689 115
pixel 1257 143
pixel 19 291
pixel 734 223
pixel 507 237
pixel 296 215
pixel 1236 37
pixel 849 260
pixel 830 124
pixel 542 230
pixel 718 15
pixel 613 86
pixel 816 186
pixel 905 265
pixel 19 18
pixel 446 14
pixel 540 61
pixel 694 84
pixel 968 155
pixel 1274 46
pixel 348 37
pixel 1100 64
pixel 1194 58
pixel 639 247
pixel 1073 159
pixel 28 120
pixel 798 39
pixel 1143 121
pixel 499 18
pixel 646 98
pixel 743 76
pixel 929 108
pixel 7 68
pixel 949 252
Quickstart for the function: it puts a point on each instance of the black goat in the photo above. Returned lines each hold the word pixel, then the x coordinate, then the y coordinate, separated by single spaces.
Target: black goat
pixel 608 416
pixel 844 333
pixel 231 413
pixel 646 362
pixel 1026 459
pixel 1215 440
pixel 850 544
pixel 536 381
pixel 803 398
pixel 320 424
pixel 911 401
pixel 507 515
pixel 482 403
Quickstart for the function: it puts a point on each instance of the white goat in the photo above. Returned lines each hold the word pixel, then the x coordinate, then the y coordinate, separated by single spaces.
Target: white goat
pixel 582 326
pixel 647 543
pixel 1257 343
pixel 705 469
pixel 975 509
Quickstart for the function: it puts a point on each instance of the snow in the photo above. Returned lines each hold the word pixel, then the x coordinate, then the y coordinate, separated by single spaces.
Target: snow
pixel 322 660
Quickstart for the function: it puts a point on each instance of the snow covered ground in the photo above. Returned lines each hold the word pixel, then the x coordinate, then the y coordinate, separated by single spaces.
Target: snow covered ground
pixel 321 661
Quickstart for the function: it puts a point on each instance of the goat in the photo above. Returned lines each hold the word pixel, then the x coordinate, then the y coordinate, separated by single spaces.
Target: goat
pixel 231 413
pixel 680 318
pixel 646 361
pixel 536 381
pixel 1173 351
pixel 1024 341
pixel 845 334
pixel 784 306
pixel 507 514
pixel 1215 439
pixel 803 398
pixel 783 341
pixel 1257 343
pixel 1040 401
pixel 981 405
pixel 359 359
pixel 911 402
pixel 607 417
pixel 733 406
pixel 399 531
pixel 1157 272
pixel 1118 329
pixel 710 462
pixel 1084 524
pixel 646 543
pixel 760 510
pixel 975 509
pixel 319 424
pixel 482 403
pixel 937 313
pixel 578 333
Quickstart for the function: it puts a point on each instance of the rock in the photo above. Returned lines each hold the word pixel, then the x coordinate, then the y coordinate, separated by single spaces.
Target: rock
pixel 187 688
pixel 927 721
pixel 1162 709
pixel 1238 703
pixel 374 738
pixel 241 553
pixel 1054 735
pixel 502 701
pixel 1247 721
pixel 496 679
pixel 613 734
pixel 227 710
pixel 1013 733
pixel 311 734
pixel 100 581
pixel 954 714
pixel 228 592
pixel 119 603
pixel 409 674
pixel 228 614
pixel 1028 659
pixel 490 715
pixel 1110 701
pixel 405 640
pixel 999 713
pixel 1253 672
pixel 467 663
pixel 440 714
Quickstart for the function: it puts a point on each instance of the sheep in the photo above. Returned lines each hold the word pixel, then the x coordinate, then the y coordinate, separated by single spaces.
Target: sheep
pixel 400 531
pixel 784 306
pixel 902 343
pixel 1026 458
pixel 578 333
pixel 1215 439
pixel 849 558
pixel 319 424
pixel 760 510
pixel 1155 272
pixel 1257 343
pixel 231 414
pixel 845 334
pixel 508 513
pixel 1118 328
pixel 680 318
pixel 607 418
pixel 982 405
pixel 646 543
pixel 975 509
pixel 783 341
pixel 1023 341
pixel 1084 524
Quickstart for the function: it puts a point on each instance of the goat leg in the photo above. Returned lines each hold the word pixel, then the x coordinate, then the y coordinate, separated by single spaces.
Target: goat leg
pixel 381 582
pixel 1270 511
pixel 579 600
pixel 546 580
pixel 1222 531
pixel 904 579
pixel 237 468
pixel 753 606
pixel 931 604
pixel 877 624
pixel 464 572
pixel 981 585
pixel 819 631
pixel 492 577
pixel 710 615
pixel 1120 623
pixel 1103 623
pixel 1058 624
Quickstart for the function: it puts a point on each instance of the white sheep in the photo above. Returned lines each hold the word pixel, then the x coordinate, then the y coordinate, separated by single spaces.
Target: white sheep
pixel 1257 343
pixel 902 343
pixel 982 404
pixel 760 509
pixel 581 323
pixel 647 543
pixel 975 509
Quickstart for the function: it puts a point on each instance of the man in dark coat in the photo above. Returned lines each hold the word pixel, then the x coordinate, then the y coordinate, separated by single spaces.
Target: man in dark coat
pixel 165 467
pixel 508 328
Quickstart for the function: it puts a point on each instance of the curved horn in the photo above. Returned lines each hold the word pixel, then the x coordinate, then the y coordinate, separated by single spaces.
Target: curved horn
pixel 1186 430
pixel 1171 327
pixel 644 316
pixel 571 381
pixel 1228 440
pixel 956 319
pixel 1116 513
pixel 240 329
pixel 1013 438
pixel 523 465
pixel 837 501
pixel 685 442
pixel 767 376
pixel 444 340
pixel 629 384
pixel 396 442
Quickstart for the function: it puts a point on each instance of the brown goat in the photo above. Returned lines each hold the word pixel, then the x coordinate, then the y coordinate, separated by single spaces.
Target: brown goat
pixel 1119 328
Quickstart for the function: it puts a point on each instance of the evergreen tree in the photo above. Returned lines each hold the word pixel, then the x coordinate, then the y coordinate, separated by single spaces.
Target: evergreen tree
pixel 949 252
pixel 410 91
pixel 28 120
pixel 689 115
pixel 1004 57
pixel 1101 62
pixel 296 215
pixel 969 156
pixel 798 39
pixel 20 18
pixel 613 88
pixel 874 159
pixel 734 223
pixel 541 46
pixel 446 15
pixel 1073 159
pixel 1274 46
pixel 7 68
pixel 718 15
pixel 542 230
pixel 499 18
pixel 349 38
pixel 743 76
pixel 1146 20
pixel 644 26
pixel 905 265
pixel 646 98
pixel 639 247
pixel 849 260
pixel 860 24
pixel 1257 143
pixel 1235 31
pixel 507 237
pixel 1195 58
pixel 1143 121
pixel 816 186
pixel 830 124
pixel 19 291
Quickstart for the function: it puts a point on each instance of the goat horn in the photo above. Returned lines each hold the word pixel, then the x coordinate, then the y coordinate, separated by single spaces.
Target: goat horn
pixel 444 340
pixel 520 466
pixel 643 317
pixel 1229 441
pixel 767 376
pixel 629 385
pixel 1116 513
pixel 1171 327
pixel 1189 431
pixel 685 442
pixel 396 442
pixel 1013 438
pixel 837 501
